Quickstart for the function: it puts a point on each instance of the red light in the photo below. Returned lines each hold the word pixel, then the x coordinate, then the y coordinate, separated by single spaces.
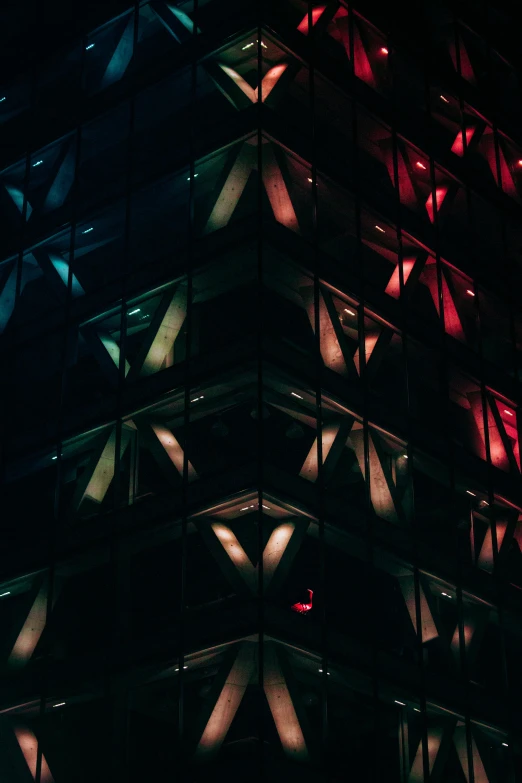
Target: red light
pixel 420 165
pixel 383 50
pixel 302 608
pixel 316 13
pixel 519 163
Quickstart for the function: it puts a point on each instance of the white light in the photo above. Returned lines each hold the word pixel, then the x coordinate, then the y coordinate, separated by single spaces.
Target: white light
pixel 405 456
pixel 189 178
pixel 55 457
pixel 444 99
pixel 198 398
pixel 350 312
pixel 268 507
pixel 177 670
pixel 60 704
pixel 252 43
pixel 88 230
pixel 89 46
pixel 380 229
pixel 469 292
pixel 133 312
pixel 2 99
pixel 328 673
pixel 2 595
pixel 505 745
pixel 402 703
pixel 446 595
pixel 509 413
pixel 469 492
pixel 420 165
pixel 296 395
pixel 38 163
pixel 416 709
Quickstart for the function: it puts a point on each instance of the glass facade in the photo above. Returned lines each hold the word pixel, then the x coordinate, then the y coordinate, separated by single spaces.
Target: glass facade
pixel 261 330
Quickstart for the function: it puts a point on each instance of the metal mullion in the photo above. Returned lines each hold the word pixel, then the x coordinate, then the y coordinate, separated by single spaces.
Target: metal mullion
pixel 119 722
pixel 260 419
pixel 368 532
pixel 485 414
pixel 187 396
pixel 444 374
pixel 420 652
pixel 59 463
pixel 318 401
pixel 464 675
pixel 368 505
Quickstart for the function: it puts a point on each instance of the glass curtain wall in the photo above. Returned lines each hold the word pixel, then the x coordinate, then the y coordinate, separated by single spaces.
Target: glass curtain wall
pixel 261 458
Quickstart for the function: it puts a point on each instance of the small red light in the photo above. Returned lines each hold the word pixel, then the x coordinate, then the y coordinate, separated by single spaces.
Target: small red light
pixel 420 165
pixel 383 50
pixel 519 163
pixel 301 607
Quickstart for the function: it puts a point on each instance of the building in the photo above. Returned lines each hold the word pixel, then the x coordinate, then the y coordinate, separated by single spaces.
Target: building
pixel 262 352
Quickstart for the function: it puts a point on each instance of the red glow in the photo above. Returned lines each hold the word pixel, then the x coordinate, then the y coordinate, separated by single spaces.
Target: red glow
pixel 458 145
pixel 339 29
pixel 383 50
pixel 316 13
pixel 519 163
pixel 302 608
pixel 508 182
pixel 420 165
pixel 361 63
pixel 440 194
pixel 466 69
pixel 394 287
